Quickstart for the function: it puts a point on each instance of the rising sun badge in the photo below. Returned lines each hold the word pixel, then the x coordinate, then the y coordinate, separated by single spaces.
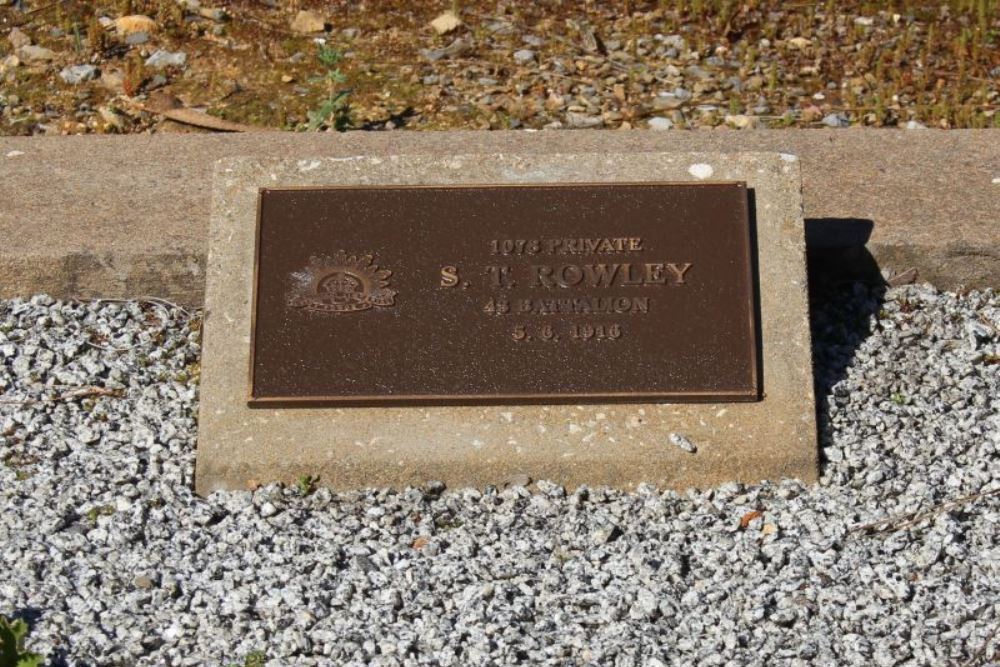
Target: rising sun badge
pixel 341 284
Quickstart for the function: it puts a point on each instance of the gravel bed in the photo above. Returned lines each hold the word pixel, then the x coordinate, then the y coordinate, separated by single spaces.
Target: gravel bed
pixel 112 560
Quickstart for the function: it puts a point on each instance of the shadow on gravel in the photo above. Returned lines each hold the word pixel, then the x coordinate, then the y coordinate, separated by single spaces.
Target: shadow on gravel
pixel 846 289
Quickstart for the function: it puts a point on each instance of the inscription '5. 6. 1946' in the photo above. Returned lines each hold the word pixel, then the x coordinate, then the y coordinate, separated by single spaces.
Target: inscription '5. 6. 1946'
pixel 551 276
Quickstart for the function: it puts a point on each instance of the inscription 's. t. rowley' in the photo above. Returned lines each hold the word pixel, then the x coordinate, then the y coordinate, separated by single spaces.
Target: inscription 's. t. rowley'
pixel 496 296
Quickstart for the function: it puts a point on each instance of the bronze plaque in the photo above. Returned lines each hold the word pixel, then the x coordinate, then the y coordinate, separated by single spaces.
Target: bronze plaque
pixel 504 293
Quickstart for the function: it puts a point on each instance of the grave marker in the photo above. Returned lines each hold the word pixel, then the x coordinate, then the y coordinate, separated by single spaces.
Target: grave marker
pixel 382 321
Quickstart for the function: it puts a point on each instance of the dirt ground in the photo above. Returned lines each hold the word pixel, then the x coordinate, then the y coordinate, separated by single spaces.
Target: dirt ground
pixel 124 66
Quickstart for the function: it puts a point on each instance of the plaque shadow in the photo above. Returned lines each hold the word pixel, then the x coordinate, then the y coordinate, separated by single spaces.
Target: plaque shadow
pixel 846 289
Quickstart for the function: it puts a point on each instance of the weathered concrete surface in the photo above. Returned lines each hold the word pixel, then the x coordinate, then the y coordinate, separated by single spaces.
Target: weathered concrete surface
pixel 617 444
pixel 117 216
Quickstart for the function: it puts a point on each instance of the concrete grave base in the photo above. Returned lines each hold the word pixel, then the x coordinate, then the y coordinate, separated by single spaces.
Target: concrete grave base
pixel 619 445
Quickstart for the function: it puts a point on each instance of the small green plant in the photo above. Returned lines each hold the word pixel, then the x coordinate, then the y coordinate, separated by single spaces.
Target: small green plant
pixel 98 511
pixel 335 110
pixel 252 659
pixel 898 399
pixel 306 484
pixel 12 653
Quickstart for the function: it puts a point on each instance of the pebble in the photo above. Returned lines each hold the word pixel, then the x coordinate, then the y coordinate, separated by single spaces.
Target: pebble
pixel 446 22
pixel 307 21
pixel 76 74
pixel 18 39
pixel 35 54
pixel 161 59
pixel 683 442
pixel 133 23
pixel 580 120
pixel 836 120
pixel 524 56
pixel 660 123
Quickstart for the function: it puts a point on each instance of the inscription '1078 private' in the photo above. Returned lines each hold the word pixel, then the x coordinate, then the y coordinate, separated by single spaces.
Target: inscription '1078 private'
pixel 492 293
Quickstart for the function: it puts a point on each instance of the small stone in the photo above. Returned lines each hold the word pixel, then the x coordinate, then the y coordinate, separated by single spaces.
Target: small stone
pixel 667 101
pixel 127 25
pixel 137 38
pixel 212 13
pixel 268 509
pixel 739 121
pixel 286 78
pixel 681 441
pixel 915 125
pixel 836 120
pixel 143 582
pixel 524 56
pixel 113 80
pixel 76 74
pixel 35 54
pixel 161 59
pixel 580 120
pixel 646 604
pixel 446 22
pixel 18 39
pixel 307 21
pixel 453 50
pixel 605 534
pixel 660 123
pixel 800 43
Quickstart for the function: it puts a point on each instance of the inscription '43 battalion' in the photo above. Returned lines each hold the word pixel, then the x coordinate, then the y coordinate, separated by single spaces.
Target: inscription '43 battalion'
pixel 546 276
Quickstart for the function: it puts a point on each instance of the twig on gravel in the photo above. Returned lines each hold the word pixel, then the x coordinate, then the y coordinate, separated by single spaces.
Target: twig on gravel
pixel 108 348
pixel 904 521
pixel 146 299
pixel 79 392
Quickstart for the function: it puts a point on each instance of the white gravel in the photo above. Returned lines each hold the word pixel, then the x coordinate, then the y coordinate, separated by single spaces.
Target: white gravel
pixel 109 556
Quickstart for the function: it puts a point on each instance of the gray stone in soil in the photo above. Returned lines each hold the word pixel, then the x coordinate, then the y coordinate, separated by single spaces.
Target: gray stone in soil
pixel 524 56
pixel 161 59
pixel 76 74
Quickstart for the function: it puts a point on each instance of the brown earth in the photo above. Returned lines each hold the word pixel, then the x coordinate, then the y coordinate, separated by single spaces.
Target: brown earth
pixel 508 65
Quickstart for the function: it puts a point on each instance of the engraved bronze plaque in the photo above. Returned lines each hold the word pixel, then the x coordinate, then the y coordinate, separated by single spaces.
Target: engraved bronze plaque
pixel 504 293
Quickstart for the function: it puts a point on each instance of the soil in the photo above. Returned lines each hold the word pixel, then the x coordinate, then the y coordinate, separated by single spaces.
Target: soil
pixel 507 65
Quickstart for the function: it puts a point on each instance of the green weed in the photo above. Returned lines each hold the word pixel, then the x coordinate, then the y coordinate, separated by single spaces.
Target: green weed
pixel 334 111
pixel 306 484
pixel 12 653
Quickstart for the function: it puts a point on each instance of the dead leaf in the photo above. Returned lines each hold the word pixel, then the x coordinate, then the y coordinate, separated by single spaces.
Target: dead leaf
pixel 750 516
pixel 420 543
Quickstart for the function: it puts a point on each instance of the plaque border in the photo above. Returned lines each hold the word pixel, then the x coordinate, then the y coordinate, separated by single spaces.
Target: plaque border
pixel 748 244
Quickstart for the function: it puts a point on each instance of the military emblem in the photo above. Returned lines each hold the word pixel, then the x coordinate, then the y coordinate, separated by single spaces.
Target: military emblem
pixel 341 284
